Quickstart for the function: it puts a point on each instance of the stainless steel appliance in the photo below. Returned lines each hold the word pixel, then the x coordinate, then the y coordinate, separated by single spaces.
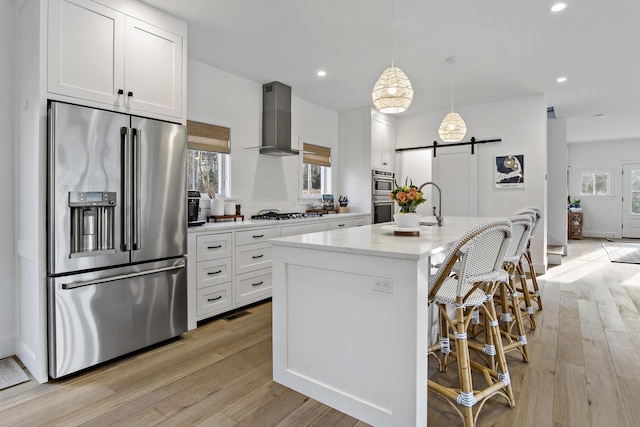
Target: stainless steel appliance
pixel 382 207
pixel 116 235
pixel 193 208
pixel 382 183
pixel 276 120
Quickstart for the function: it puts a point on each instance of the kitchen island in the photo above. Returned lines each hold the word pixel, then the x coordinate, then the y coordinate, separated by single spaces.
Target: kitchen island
pixel 350 317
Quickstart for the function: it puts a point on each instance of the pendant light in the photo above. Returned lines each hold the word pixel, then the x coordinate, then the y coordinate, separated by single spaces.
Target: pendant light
pixel 392 92
pixel 453 127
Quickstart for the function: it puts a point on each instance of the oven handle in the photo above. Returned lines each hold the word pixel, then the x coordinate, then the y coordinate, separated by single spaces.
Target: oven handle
pixel 75 285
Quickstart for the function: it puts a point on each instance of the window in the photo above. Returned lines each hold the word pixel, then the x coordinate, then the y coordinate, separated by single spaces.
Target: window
pixel 206 171
pixel 316 170
pixel 594 184
pixel 207 158
pixel 635 191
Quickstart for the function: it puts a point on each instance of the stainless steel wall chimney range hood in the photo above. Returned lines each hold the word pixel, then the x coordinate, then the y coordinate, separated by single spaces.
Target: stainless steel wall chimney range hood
pixel 276 120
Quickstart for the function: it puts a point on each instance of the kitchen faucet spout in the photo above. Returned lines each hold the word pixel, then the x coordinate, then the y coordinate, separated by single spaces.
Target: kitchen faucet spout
pixel 438 215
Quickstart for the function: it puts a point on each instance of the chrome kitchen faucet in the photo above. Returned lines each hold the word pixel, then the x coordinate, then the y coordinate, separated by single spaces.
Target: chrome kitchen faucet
pixel 438 216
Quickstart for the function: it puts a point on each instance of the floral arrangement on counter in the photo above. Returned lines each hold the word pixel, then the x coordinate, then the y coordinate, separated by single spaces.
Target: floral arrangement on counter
pixel 408 196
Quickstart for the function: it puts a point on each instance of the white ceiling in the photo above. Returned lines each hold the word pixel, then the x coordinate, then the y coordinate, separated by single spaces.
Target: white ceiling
pixel 504 49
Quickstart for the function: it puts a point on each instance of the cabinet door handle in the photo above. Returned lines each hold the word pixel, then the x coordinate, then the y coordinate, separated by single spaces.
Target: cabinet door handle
pixel 257 256
pixel 120 92
pixel 214 247
pixel 214 299
pixel 130 94
pixel 341 225
pixel 258 236
pixel 213 273
pixel 257 284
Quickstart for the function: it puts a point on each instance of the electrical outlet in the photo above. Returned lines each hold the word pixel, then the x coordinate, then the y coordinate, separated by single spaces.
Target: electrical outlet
pixel 381 284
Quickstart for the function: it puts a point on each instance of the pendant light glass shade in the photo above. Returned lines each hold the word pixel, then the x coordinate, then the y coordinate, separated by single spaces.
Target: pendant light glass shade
pixel 392 92
pixel 453 128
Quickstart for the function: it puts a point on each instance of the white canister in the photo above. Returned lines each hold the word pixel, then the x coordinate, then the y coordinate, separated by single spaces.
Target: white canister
pixel 205 206
pixel 230 208
pixel 217 207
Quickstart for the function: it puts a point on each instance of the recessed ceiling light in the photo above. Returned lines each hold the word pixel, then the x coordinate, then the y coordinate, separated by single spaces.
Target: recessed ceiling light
pixel 558 7
pixel 322 73
pixel 561 79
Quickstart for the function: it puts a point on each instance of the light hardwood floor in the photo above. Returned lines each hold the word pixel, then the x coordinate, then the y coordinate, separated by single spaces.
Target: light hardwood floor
pixel 584 369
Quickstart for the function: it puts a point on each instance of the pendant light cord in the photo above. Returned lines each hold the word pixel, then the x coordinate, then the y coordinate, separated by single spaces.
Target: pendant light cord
pixel 392 35
pixel 452 92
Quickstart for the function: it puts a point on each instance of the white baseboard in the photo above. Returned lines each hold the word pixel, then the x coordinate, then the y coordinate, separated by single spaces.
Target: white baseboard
pixel 601 235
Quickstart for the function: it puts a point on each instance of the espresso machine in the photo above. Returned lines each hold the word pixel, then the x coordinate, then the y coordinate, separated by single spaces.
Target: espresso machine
pixel 193 208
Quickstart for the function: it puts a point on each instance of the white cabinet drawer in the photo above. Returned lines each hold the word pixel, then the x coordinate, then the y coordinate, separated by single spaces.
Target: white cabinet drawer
pixel 293 230
pixel 214 299
pixel 256 236
pixel 360 221
pixel 253 257
pixel 341 223
pixel 253 286
pixel 210 273
pixel 213 246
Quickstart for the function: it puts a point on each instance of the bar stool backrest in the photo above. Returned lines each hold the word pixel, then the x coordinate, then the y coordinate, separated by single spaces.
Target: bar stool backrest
pixel 485 247
pixel 521 230
pixel 536 213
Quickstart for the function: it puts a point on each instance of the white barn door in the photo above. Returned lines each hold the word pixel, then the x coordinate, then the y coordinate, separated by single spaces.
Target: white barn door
pixel 455 170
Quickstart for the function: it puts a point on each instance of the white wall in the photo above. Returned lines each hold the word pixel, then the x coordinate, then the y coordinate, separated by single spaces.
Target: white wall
pixel 522 126
pixel 557 182
pixel 7 120
pixel 602 216
pixel 258 181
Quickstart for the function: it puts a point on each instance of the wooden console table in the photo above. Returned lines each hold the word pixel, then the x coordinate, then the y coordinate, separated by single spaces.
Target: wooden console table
pixel 575 225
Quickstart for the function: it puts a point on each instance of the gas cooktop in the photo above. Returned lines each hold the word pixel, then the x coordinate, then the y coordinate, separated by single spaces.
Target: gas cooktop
pixel 277 216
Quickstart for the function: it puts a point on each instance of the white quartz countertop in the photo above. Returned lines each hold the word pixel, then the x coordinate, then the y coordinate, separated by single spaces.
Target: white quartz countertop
pixel 227 225
pixel 380 240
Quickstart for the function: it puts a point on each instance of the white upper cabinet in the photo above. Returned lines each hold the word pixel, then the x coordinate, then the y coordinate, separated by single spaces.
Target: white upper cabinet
pixel 153 71
pixel 383 144
pixel 103 56
pixel 86 50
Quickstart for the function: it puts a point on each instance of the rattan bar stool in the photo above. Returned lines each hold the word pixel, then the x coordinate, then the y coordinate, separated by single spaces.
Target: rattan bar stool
pixel 475 283
pixel 509 297
pixel 533 294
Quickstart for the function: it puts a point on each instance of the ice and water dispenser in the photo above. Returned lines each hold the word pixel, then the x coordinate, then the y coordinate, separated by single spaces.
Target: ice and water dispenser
pixel 92 221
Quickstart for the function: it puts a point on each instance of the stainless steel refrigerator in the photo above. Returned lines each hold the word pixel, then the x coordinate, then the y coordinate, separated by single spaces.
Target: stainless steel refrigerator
pixel 116 235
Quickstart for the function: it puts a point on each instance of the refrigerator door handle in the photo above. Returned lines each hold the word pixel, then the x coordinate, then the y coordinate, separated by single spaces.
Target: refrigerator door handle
pixel 74 285
pixel 125 137
pixel 135 188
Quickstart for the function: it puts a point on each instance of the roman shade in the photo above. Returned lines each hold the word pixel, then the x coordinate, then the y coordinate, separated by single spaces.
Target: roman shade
pixel 206 137
pixel 316 154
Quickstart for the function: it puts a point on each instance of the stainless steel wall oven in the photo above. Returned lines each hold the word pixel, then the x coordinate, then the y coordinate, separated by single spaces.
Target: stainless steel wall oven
pixel 382 207
pixel 382 183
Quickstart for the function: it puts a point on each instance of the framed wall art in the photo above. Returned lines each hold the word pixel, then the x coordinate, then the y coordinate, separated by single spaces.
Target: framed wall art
pixel 510 171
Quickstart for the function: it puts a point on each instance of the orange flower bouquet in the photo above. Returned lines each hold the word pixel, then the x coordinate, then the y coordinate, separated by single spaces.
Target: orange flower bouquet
pixel 408 197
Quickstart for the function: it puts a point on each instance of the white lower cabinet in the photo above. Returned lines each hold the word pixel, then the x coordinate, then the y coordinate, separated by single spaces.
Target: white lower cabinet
pixel 253 286
pixel 293 230
pixel 342 223
pixel 214 300
pixel 253 257
pixel 230 269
